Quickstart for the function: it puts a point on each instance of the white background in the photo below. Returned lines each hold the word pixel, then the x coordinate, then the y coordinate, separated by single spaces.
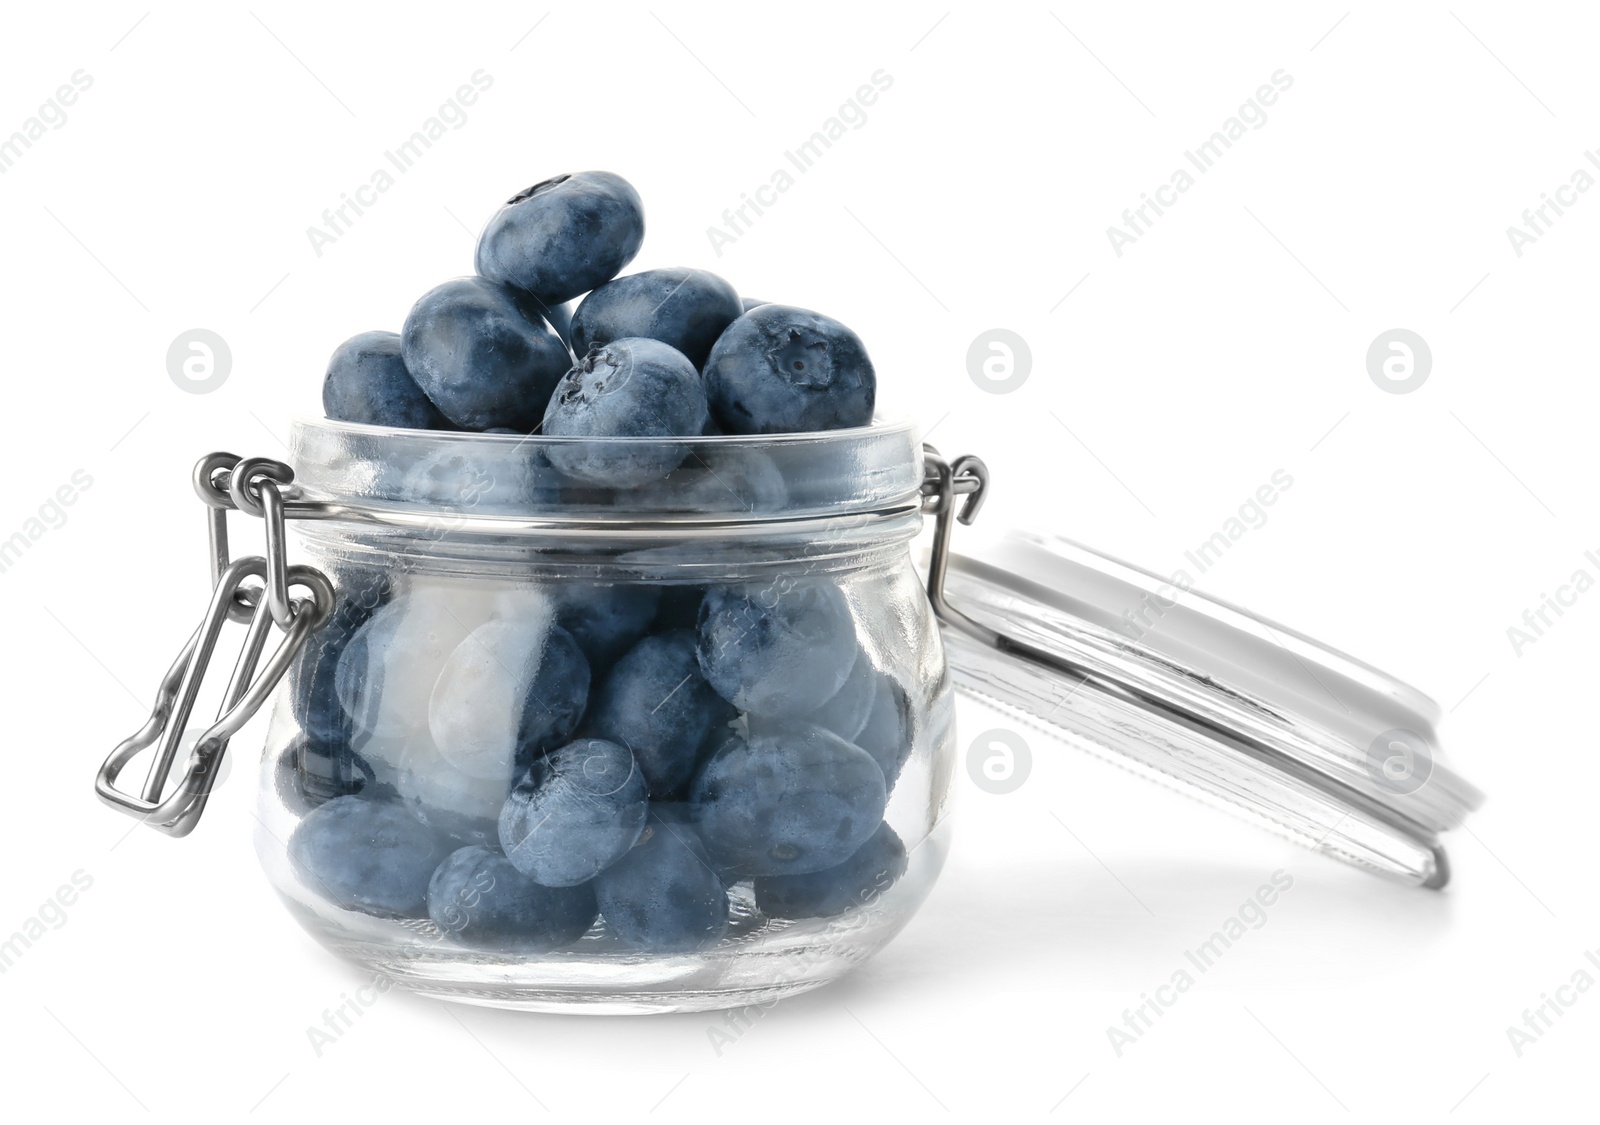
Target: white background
pixel 1226 343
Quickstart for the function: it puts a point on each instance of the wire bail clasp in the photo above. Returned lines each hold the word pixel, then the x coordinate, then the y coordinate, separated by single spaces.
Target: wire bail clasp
pixel 942 483
pixel 256 487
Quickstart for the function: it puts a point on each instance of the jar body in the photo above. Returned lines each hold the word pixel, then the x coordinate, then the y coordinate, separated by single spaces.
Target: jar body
pixel 699 773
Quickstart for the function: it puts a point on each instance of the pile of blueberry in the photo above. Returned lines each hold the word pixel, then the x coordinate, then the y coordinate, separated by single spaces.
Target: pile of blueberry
pixel 516 760
pixel 658 354
pixel 513 761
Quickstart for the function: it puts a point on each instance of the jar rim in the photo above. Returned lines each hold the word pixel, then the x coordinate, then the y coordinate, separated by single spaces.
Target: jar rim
pixel 508 483
pixel 878 427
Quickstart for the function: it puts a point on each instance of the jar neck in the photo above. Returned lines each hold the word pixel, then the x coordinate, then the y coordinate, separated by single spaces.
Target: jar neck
pixel 623 547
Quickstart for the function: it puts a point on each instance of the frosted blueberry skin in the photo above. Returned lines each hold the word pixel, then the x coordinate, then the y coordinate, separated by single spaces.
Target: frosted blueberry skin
pixel 460 808
pixel 779 651
pixel 664 896
pixel 563 237
pixel 605 619
pixel 557 698
pixel 313 700
pixel 475 350
pixel 715 480
pixel 515 687
pixel 786 803
pixel 368 855
pixel 319 763
pixel 848 709
pixel 454 829
pixel 875 867
pixel 387 671
pixel 655 702
pixel 632 388
pixel 779 370
pixel 558 317
pixel 749 303
pixel 478 898
pixel 367 382
pixel 488 476
pixel 886 735
pixel 576 811
pixel 682 308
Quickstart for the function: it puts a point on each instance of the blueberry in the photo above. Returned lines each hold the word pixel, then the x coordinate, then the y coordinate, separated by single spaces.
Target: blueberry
pixel 478 898
pixel 886 735
pixel 484 476
pixel 780 650
pixel 657 704
pixel 685 309
pixel 389 672
pixel 459 808
pixel 366 855
pixel 296 794
pixel 514 682
pixel 367 381
pixel 313 700
pixel 558 317
pixel 858 881
pixel 576 811
pixel 385 675
pixel 605 619
pixel 714 479
pixel 779 369
pixel 631 388
pixel 564 236
pixel 749 303
pixel 476 351
pixel 557 698
pixel 680 607
pixel 787 803
pixel 847 711
pixel 664 896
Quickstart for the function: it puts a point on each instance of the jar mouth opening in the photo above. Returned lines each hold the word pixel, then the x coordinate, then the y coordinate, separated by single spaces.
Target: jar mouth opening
pixel 503 483
pixel 878 427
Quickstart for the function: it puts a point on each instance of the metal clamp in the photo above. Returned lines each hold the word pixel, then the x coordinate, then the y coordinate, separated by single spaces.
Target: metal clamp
pixel 942 482
pixel 257 487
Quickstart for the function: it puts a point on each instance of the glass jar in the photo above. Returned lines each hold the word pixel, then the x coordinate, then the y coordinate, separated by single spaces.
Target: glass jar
pixel 689 744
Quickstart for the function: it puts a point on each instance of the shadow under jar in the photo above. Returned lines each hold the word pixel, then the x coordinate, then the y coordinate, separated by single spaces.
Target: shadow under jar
pixel 677 746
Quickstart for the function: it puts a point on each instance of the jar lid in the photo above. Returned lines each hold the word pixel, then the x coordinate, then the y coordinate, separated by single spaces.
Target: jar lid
pixel 1205 697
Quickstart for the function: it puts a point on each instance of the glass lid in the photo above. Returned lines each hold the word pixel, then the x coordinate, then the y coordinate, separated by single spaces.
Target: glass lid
pixel 1205 697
